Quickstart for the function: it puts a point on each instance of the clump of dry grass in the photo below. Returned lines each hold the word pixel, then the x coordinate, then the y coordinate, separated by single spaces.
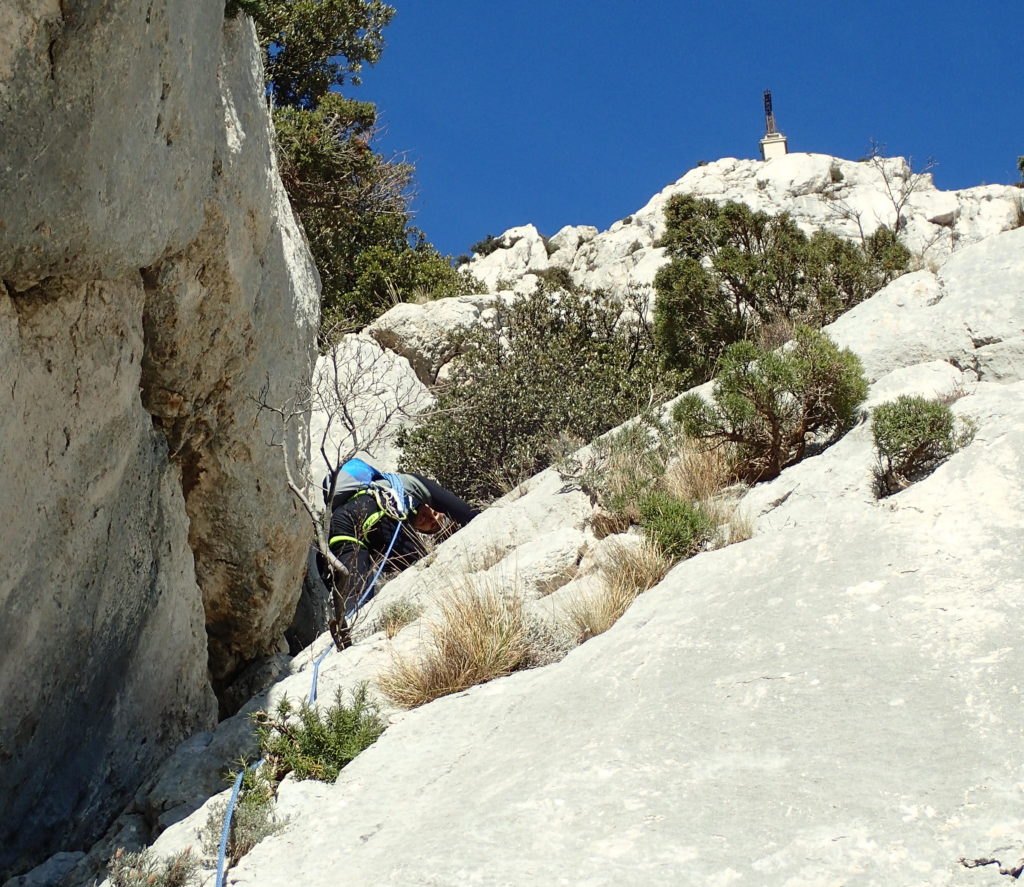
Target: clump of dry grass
pixel 627 573
pixel 480 634
pixel 698 473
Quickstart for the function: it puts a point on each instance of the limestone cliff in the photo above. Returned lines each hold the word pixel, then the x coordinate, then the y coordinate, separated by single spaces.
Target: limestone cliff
pixel 832 701
pixel 152 280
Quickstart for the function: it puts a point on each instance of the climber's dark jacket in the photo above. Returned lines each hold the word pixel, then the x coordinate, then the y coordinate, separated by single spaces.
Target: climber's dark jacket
pixel 361 532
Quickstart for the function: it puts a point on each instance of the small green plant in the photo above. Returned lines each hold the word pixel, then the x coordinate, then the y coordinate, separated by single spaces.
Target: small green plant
pixel 144 869
pixel 913 436
pixel 771 404
pixel 679 528
pixel 253 818
pixel 395 615
pixel 488 245
pixel 312 743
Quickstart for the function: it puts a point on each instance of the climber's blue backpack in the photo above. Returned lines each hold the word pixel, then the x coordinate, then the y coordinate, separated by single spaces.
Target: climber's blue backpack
pixel 355 475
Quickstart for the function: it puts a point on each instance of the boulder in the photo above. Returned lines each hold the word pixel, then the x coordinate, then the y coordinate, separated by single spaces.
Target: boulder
pixel 523 251
pixel 420 333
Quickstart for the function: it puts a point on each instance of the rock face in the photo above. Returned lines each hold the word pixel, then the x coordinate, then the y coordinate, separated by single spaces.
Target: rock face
pixel 835 700
pixel 819 191
pixel 146 247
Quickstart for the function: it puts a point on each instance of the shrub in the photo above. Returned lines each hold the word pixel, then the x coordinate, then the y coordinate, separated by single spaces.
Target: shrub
pixel 252 821
pixel 734 270
pixel 625 466
pixel 316 744
pixel 143 869
pixel 554 364
pixel 771 404
pixel 487 246
pixel 679 528
pixel 629 571
pixel 913 436
pixel 480 635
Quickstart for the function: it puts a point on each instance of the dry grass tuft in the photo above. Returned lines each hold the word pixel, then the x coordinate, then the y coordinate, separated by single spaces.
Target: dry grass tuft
pixel 479 635
pixel 699 473
pixel 627 574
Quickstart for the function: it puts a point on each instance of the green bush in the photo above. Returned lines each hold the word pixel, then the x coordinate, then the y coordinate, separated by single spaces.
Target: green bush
pixel 316 744
pixel 913 436
pixel 770 405
pixel 554 364
pixel 143 869
pixel 734 270
pixel 680 529
pixel 487 246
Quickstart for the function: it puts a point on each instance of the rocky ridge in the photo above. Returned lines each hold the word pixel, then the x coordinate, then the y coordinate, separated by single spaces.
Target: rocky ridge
pixel 832 700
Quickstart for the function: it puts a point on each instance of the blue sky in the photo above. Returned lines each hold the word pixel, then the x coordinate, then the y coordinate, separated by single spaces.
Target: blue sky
pixel 571 112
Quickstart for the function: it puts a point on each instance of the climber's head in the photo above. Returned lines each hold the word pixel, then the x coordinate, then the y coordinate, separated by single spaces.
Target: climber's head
pixel 425 519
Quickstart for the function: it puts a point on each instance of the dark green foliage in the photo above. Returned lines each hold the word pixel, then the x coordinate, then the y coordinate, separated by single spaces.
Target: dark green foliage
pixel 679 528
pixel 554 364
pixel 734 270
pixel 316 744
pixel 557 278
pixel 487 246
pixel 625 466
pixel 913 436
pixel 771 404
pixel 312 45
pixel 143 869
pixel 353 202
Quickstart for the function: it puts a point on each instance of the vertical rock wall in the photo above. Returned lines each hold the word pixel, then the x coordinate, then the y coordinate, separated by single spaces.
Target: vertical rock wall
pixel 152 281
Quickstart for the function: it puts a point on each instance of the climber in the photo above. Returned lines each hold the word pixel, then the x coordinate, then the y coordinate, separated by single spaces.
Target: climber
pixel 373 520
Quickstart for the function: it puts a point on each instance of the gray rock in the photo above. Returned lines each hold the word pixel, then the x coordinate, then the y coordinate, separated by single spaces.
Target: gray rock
pixel 128 152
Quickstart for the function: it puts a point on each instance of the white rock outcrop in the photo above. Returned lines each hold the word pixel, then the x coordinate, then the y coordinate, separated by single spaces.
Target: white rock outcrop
pixel 834 700
pixel 363 395
pixel 152 279
pixel 819 191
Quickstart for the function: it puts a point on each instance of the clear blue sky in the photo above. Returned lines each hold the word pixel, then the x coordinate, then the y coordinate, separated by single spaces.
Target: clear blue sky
pixel 571 112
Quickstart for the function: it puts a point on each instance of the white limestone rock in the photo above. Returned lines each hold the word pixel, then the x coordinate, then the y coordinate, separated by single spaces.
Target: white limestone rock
pixel 524 251
pixel 566 242
pixel 230 319
pixel 819 192
pixel 976 300
pixel 814 705
pixel 419 333
pixel 363 395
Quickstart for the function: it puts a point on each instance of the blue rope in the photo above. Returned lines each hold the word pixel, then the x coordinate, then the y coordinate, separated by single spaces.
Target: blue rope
pixel 316 673
pixel 399 491
pixel 226 830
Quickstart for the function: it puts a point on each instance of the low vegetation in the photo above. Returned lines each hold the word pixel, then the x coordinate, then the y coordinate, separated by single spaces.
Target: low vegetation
pixel 770 405
pixel 555 363
pixel 395 615
pixel 479 634
pixel 734 272
pixel 252 820
pixel 913 436
pixel 628 572
pixel 314 743
pixel 145 869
